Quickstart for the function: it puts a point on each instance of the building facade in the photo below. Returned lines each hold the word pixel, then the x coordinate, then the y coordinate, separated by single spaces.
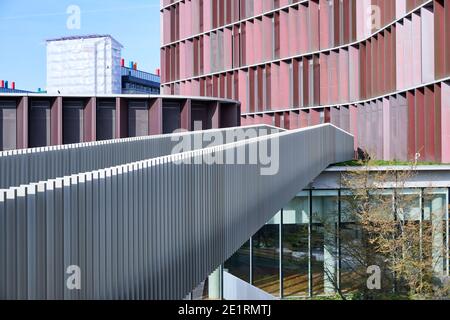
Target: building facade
pixel 10 90
pixel 39 120
pixel 139 82
pixel 376 68
pixel 84 65
pixel 93 65
pixel 310 246
pixel 5 87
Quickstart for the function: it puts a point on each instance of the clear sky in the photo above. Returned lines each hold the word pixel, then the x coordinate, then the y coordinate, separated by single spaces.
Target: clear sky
pixel 26 24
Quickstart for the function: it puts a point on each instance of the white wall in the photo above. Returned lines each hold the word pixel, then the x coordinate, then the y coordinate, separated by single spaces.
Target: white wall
pixel 237 289
pixel 84 66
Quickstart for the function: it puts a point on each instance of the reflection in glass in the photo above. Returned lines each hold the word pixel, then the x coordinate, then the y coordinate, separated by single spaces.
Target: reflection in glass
pixel 201 291
pixel 408 201
pixel 356 251
pixel 266 274
pixel 435 220
pixel 338 256
pixel 295 246
pixel 352 247
pixel 323 241
pixel 239 263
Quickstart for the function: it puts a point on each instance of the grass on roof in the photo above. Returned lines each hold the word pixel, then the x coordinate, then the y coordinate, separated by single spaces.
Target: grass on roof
pixel 381 163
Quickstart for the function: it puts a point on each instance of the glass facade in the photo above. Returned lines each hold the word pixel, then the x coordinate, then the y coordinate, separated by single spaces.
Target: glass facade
pixel 295 262
pixel 265 257
pixel 324 241
pixel 139 82
pixel 435 218
pixel 323 248
pixel 239 264
pixel 352 250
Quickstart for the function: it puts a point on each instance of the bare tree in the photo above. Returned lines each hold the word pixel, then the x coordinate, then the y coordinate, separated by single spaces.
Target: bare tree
pixel 382 223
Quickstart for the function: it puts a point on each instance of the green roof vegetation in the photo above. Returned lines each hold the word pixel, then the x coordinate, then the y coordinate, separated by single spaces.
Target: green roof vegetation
pixel 381 163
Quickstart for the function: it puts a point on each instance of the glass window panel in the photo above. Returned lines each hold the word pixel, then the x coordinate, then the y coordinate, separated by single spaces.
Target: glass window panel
pixel 352 268
pixel 266 275
pixel 324 205
pixel 323 241
pixel 435 209
pixel 355 253
pixel 408 204
pixel 295 246
pixel 352 250
pixel 382 203
pixel 201 291
pixel 349 206
pixel 239 263
pixel 428 196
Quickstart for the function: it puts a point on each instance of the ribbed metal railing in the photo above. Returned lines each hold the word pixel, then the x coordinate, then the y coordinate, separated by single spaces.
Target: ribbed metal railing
pixel 152 229
pixel 32 165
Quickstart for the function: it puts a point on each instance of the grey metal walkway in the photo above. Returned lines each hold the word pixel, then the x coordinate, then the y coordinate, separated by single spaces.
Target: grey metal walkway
pixel 154 228
pixel 25 166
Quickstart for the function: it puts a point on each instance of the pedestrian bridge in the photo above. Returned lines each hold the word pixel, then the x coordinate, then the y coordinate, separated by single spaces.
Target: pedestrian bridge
pixel 148 217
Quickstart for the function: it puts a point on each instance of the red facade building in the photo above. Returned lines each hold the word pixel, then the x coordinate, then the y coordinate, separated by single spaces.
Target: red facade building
pixel 377 68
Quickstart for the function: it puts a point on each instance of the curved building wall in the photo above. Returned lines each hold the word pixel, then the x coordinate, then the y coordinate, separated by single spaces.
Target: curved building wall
pixel 40 120
pixel 377 68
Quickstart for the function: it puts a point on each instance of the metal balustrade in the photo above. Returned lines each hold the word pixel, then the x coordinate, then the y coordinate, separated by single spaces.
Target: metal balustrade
pixel 32 165
pixel 151 229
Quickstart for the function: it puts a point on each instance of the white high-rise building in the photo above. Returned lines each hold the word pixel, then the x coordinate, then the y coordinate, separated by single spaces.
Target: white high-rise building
pixel 84 65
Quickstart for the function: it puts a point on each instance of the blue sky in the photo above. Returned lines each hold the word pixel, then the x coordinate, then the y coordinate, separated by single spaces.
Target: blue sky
pixel 25 24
